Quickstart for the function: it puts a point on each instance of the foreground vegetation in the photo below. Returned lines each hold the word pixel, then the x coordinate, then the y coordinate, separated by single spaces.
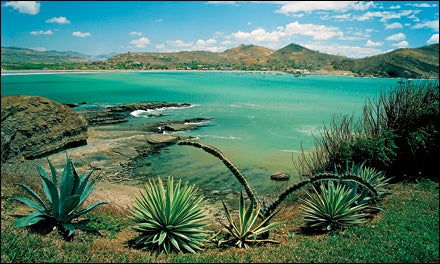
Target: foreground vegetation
pixel 407 231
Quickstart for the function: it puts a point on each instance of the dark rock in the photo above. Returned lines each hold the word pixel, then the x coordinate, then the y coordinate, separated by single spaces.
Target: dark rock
pixel 34 126
pixel 176 125
pixel 280 176
pixel 121 113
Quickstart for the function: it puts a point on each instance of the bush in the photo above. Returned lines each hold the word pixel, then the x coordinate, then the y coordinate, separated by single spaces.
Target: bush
pixel 398 134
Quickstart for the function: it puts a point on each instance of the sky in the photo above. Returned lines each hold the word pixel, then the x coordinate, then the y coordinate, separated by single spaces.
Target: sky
pixel 354 29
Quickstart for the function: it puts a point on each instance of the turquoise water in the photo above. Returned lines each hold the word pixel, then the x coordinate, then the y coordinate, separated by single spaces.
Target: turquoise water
pixel 259 119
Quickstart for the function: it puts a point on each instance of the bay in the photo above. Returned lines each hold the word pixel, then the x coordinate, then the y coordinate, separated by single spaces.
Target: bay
pixel 260 120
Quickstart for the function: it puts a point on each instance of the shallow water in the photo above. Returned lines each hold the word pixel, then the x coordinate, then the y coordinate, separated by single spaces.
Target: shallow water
pixel 259 120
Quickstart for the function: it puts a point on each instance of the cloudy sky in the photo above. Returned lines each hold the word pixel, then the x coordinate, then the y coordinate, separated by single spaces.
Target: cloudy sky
pixel 354 29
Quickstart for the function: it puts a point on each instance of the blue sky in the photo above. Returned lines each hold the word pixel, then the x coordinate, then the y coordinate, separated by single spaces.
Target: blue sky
pixel 354 29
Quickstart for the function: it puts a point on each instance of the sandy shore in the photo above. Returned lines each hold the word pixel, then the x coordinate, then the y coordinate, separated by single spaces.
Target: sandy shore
pixel 24 72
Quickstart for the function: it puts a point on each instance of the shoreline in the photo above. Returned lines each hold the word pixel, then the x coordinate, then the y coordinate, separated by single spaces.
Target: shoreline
pixel 23 72
pixel 321 73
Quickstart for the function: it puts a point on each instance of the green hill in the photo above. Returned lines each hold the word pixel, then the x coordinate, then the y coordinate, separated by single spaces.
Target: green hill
pixel 422 62
pixel 298 57
pixel 407 63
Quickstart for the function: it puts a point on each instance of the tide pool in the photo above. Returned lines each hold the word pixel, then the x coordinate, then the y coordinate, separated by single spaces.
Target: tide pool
pixel 259 120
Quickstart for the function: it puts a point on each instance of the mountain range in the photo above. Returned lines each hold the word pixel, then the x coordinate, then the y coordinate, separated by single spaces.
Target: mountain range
pixel 422 62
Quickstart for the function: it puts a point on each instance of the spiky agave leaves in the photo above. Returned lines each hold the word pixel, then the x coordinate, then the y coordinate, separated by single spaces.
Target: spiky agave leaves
pixel 170 219
pixel 247 231
pixel 64 198
pixel 332 207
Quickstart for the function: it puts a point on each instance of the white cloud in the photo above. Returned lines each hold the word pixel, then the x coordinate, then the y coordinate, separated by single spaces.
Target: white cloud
pixel 344 50
pixel 40 49
pixel 25 7
pixel 160 46
pixel 421 5
pixel 433 39
pixel 395 7
pixel 58 20
pixel 309 6
pixel 81 34
pixel 158 20
pixel 179 43
pixel 42 32
pixel 373 44
pixel 428 24
pixel 402 44
pixel 207 42
pixel 134 33
pixel 258 35
pixel 318 32
pixel 385 15
pixel 141 42
pixel 393 25
pixel 342 17
pixel 396 37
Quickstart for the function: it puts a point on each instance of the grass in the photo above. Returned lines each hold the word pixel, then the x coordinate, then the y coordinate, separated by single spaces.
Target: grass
pixel 407 231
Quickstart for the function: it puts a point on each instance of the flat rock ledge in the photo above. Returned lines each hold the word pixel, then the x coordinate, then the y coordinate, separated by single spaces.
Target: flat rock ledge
pixel 120 113
pixel 280 176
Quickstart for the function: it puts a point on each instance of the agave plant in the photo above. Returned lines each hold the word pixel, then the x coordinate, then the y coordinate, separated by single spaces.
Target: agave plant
pixel 169 220
pixel 332 207
pixel 247 231
pixel 375 178
pixel 64 198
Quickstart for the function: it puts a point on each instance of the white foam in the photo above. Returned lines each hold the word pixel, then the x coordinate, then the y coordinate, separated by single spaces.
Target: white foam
pixel 137 113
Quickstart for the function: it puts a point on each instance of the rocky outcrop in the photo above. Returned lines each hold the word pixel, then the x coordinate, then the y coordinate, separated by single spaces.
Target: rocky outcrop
pixel 34 126
pixel 121 113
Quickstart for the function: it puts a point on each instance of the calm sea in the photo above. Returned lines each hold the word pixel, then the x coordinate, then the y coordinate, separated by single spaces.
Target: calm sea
pixel 259 120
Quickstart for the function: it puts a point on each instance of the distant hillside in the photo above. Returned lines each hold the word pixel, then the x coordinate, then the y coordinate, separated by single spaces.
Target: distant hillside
pixel 13 57
pixel 298 57
pixel 247 55
pixel 407 63
pixel 420 62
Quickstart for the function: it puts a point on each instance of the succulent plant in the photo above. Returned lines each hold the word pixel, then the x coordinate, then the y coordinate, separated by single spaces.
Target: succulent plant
pixel 64 198
pixel 170 219
pixel 248 231
pixel 332 207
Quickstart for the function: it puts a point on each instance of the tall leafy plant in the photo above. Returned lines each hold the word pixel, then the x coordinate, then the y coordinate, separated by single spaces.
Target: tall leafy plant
pixel 64 198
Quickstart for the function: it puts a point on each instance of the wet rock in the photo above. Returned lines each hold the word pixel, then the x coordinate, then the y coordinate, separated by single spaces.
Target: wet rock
pixel 280 176
pixel 121 113
pixel 175 125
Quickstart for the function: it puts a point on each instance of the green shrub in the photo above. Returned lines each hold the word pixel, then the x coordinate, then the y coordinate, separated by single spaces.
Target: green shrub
pixel 63 200
pixel 397 134
pixel 169 220
pixel 377 151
